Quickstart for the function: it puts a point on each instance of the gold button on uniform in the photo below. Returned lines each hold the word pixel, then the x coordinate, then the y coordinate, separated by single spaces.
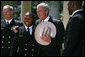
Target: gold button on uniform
pixel 32 55
pixel 32 44
pixel 32 50
pixel 2 47
pixel 2 41
pixel 9 42
pixel 25 49
pixel 25 44
pixel 8 47
pixel 2 36
pixel 9 36
pixel 25 55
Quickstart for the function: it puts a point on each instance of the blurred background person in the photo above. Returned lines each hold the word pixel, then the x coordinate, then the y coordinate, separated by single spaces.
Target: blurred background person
pixel 7 35
pixel 74 36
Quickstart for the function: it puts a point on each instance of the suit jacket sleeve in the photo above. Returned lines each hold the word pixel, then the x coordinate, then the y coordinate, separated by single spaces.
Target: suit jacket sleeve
pixel 57 41
pixel 72 36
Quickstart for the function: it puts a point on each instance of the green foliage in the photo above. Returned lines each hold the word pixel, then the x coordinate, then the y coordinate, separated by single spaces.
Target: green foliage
pixel 33 7
pixel 17 7
pixel 35 3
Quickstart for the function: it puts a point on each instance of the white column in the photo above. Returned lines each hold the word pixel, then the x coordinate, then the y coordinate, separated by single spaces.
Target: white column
pixel 54 9
pixel 65 13
pixel 25 7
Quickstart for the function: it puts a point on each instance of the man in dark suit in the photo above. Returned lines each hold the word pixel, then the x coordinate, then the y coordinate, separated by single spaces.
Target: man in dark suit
pixel 74 37
pixel 25 40
pixel 7 35
pixel 54 47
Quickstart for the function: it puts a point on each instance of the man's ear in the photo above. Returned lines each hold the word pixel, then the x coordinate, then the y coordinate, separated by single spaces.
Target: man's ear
pixel 47 12
pixel 73 6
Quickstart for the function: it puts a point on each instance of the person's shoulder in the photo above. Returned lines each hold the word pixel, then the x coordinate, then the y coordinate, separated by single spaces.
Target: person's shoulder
pixel 37 21
pixel 78 17
pixel 21 27
pixel 21 31
pixel 2 20
pixel 17 21
pixel 56 20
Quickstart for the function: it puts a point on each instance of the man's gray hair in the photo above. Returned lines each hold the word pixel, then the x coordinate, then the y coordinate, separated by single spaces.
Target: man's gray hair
pixel 8 6
pixel 44 5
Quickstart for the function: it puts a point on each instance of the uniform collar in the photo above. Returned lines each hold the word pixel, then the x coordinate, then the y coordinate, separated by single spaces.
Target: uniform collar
pixel 75 12
pixel 30 29
pixel 8 20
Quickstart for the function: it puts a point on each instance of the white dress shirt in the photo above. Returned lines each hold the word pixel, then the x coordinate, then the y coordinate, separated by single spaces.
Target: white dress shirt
pixel 9 21
pixel 47 19
pixel 30 29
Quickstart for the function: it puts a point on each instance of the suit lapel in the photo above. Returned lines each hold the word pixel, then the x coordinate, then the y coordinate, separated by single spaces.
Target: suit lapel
pixel 40 21
pixel 24 35
pixel 12 23
pixel 50 20
pixel 33 29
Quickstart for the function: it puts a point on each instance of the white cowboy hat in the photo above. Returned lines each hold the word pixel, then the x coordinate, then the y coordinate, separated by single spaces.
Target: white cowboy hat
pixel 42 29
